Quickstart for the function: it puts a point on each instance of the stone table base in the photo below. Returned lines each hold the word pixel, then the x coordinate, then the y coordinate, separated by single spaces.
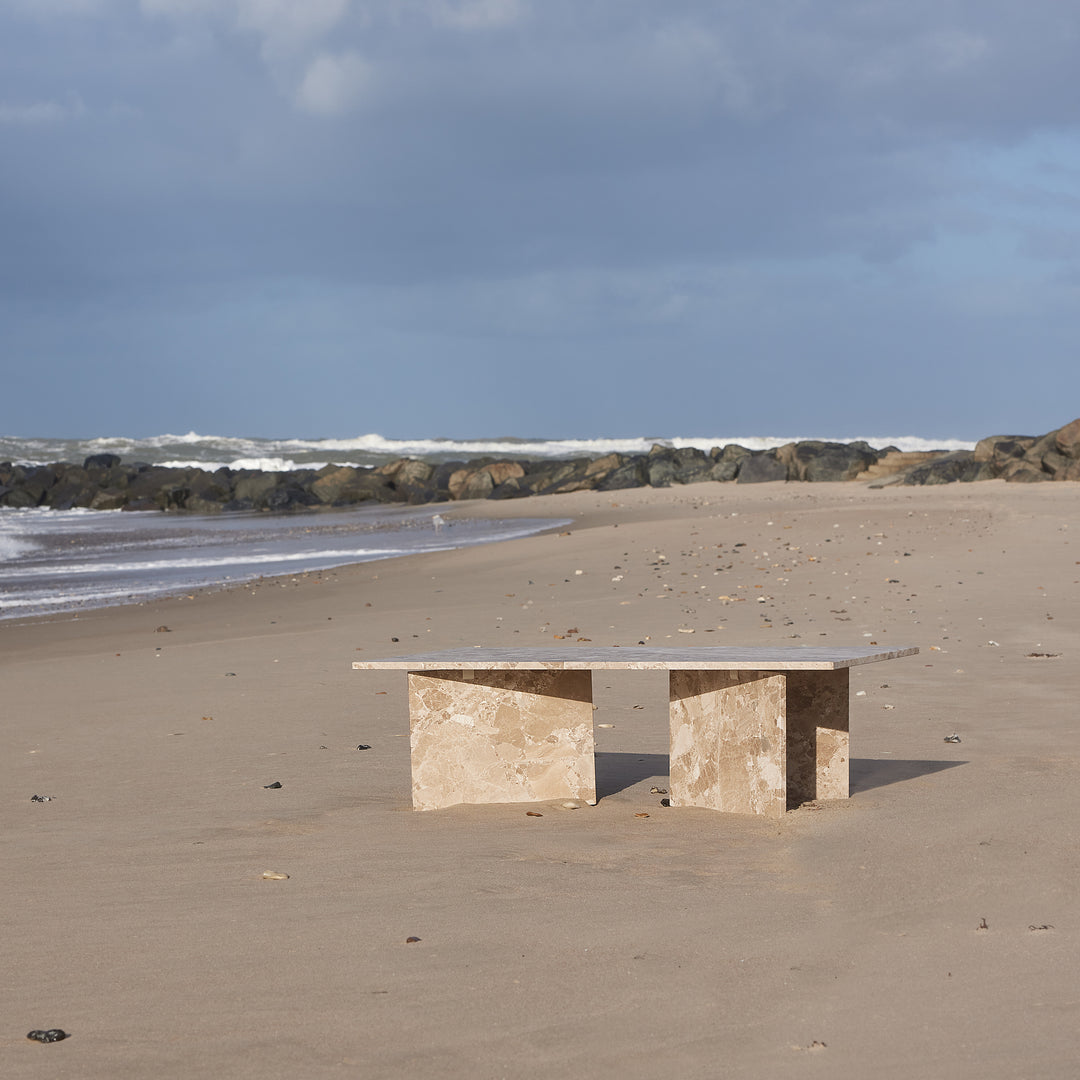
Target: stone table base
pixel 751 742
pixel 501 736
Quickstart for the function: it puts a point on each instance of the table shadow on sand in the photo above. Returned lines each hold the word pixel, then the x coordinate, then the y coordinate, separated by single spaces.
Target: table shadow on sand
pixel 617 772
pixel 865 774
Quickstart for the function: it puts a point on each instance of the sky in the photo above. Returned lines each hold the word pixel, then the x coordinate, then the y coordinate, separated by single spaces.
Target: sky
pixel 544 218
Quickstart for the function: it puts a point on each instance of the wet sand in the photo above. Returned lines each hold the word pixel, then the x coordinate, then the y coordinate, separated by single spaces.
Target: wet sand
pixel 924 927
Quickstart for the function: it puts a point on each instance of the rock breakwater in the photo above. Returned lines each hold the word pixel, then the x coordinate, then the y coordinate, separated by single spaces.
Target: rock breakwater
pixel 104 482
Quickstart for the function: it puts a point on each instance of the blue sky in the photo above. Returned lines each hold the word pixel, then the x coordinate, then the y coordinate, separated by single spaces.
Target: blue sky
pixel 546 218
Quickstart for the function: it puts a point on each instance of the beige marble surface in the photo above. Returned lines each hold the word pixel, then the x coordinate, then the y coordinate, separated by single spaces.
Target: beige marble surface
pixel 500 737
pixel 729 741
pixel 702 658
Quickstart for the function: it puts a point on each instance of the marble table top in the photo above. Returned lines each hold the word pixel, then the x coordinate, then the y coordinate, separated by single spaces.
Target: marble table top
pixel 701 658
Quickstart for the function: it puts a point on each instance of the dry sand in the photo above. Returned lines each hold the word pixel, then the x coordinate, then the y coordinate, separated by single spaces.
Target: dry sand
pixel 843 941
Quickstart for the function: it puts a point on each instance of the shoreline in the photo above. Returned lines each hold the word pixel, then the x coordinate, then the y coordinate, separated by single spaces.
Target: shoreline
pixel 844 937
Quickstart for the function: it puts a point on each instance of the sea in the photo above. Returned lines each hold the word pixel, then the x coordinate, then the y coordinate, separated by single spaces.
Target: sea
pixel 66 561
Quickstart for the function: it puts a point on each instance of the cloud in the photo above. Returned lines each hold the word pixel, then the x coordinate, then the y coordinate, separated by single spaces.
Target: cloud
pixel 475 14
pixel 334 84
pixel 39 113
pixel 49 8
pixel 289 24
pixel 282 25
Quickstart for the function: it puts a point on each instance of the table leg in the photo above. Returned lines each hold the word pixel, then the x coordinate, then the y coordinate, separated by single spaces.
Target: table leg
pixel 817 735
pixel 501 736
pixel 729 741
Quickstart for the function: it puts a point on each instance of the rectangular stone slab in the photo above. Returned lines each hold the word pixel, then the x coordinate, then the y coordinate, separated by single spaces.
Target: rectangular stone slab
pixel 501 736
pixel 610 658
pixel 729 741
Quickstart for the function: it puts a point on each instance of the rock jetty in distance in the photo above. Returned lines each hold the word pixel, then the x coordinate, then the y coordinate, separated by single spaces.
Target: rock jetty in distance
pixel 104 482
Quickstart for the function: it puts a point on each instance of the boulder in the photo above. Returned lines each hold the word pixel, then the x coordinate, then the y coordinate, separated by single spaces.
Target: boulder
pixel 631 473
pixel 999 450
pixel 73 487
pixel 407 480
pixel 209 493
pixel 17 498
pixel 36 480
pixel 726 462
pixel 1055 454
pixel 1067 439
pixel 949 468
pixel 102 461
pixel 761 467
pixel 816 461
pixel 109 500
pixel 336 483
pixel 478 485
pixel 254 487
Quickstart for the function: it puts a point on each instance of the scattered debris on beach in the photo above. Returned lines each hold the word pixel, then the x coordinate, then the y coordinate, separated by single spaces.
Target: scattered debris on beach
pixel 42 798
pixel 50 1036
pixel 275 784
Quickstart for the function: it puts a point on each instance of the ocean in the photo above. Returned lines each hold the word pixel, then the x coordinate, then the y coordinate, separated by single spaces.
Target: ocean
pixel 63 561
pixel 213 451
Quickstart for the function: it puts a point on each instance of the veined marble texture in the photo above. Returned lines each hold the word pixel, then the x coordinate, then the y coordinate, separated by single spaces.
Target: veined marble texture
pixel 729 741
pixel 751 742
pixel 501 736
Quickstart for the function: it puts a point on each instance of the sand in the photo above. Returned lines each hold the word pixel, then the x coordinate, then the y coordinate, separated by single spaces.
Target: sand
pixel 927 926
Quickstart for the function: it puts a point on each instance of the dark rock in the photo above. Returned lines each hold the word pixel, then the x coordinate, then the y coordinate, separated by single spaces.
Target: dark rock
pixel 631 473
pixel 814 460
pixel 1000 450
pixel 726 462
pixel 960 465
pixel 336 485
pixel 761 467
pixel 38 479
pixel 208 493
pixel 105 500
pixel 50 1036
pixel 558 477
pixel 72 487
pixel 660 468
pixel 17 498
pixel 692 466
pixel 101 461
pixel 440 478
pixel 254 487
pixel 149 484
pixel 1056 454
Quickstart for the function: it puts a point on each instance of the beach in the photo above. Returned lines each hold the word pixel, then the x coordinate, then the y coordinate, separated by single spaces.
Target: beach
pixel 926 926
